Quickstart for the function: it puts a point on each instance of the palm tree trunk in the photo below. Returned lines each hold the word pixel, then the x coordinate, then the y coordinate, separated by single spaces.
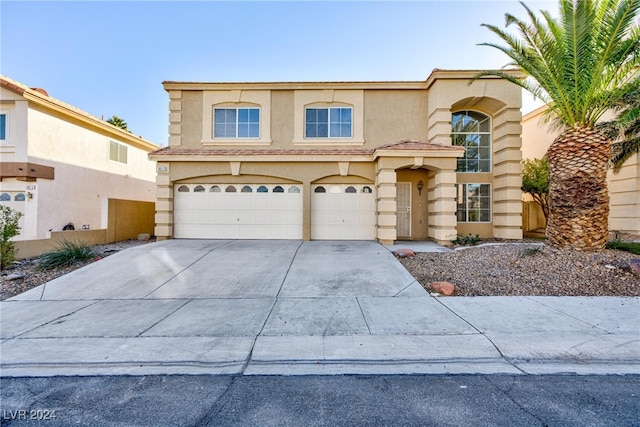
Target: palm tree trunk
pixel 578 194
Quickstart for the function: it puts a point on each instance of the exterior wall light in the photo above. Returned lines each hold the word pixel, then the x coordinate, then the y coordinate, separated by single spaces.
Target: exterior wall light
pixel 420 187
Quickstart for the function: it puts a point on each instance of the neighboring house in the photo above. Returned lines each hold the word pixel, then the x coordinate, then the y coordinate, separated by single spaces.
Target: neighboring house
pixel 60 165
pixel 624 186
pixel 342 160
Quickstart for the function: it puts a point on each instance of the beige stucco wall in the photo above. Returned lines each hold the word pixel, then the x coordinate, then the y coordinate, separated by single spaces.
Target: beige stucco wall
pixel 380 116
pixel 84 179
pixel 16 109
pixel 500 100
pixel 624 186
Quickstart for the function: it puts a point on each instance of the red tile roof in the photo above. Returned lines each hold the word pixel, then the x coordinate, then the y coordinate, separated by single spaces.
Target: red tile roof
pixel 166 151
pixel 412 145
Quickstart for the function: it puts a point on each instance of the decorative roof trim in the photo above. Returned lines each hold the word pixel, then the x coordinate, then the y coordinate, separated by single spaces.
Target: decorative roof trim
pixel 407 148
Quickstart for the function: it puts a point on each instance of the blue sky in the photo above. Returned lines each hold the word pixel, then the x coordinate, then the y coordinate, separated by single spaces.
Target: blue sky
pixel 111 58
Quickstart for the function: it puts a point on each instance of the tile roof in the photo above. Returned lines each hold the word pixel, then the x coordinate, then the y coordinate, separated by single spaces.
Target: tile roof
pixel 397 146
pixel 263 151
pixel 411 144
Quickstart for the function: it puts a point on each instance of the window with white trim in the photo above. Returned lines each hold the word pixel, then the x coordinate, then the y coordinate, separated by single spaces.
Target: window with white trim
pixel 334 122
pixel 3 126
pixel 472 130
pixel 473 202
pixel 117 152
pixel 229 123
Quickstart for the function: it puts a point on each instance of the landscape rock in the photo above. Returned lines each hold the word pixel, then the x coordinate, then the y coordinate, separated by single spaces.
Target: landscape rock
pixel 15 276
pixel 402 253
pixel 634 264
pixel 443 288
pixel 144 236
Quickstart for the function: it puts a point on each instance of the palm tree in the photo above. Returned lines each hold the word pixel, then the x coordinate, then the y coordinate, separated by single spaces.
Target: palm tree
pixel 117 121
pixel 625 126
pixel 580 64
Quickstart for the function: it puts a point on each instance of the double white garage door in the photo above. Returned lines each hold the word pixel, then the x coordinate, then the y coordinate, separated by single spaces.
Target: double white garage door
pixel 273 211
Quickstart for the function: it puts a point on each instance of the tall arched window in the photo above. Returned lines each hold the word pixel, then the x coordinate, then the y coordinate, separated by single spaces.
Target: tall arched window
pixel 472 130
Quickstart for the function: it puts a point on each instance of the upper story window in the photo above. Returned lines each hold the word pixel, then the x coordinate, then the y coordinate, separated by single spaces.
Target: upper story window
pixel 472 130
pixel 335 122
pixel 236 123
pixel 3 126
pixel 117 152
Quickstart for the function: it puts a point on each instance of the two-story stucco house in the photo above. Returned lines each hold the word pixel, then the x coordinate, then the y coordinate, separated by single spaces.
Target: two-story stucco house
pixel 342 160
pixel 60 165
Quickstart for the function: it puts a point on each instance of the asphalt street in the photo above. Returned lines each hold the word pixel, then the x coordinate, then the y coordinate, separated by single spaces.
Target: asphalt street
pixel 403 400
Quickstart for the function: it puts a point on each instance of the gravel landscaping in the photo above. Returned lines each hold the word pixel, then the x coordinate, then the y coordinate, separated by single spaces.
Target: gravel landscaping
pixel 495 269
pixel 527 269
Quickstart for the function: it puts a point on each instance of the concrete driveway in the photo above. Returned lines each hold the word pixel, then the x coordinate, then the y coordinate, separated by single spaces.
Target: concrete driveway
pixel 292 307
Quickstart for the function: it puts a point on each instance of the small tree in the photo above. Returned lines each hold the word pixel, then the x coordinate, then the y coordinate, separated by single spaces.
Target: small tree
pixel 117 121
pixel 535 181
pixel 8 228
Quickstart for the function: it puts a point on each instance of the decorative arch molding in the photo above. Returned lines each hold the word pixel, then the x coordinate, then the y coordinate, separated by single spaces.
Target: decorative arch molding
pixel 329 98
pixel 212 99
pixel 231 179
pixel 339 179
pixel 482 104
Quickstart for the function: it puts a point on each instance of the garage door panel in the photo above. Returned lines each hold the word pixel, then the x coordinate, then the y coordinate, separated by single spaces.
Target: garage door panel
pixel 238 215
pixel 340 215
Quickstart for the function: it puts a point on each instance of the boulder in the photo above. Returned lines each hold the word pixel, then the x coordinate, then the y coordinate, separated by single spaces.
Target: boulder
pixel 443 288
pixel 144 236
pixel 402 253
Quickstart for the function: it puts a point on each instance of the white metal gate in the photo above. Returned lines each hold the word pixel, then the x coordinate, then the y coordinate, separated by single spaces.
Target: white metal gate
pixel 403 209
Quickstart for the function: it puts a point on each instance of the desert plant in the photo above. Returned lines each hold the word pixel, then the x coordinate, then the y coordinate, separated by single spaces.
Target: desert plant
pixel 66 254
pixel 632 247
pixel 532 250
pixel 469 240
pixel 535 181
pixel 8 228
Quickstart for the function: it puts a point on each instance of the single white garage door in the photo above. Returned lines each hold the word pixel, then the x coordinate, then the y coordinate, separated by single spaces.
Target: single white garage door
pixel 343 212
pixel 237 211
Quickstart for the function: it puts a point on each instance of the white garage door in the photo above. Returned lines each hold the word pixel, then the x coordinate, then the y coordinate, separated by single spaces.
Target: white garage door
pixel 343 212
pixel 237 211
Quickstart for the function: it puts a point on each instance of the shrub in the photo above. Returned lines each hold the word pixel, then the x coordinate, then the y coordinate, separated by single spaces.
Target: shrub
pixel 8 228
pixel 66 254
pixel 467 240
pixel 632 247
pixel 532 250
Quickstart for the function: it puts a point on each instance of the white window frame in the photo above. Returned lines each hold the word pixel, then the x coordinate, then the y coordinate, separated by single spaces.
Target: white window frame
pixel 7 118
pixel 329 135
pixel 237 109
pixel 461 190
pixel 479 133
pixel 119 152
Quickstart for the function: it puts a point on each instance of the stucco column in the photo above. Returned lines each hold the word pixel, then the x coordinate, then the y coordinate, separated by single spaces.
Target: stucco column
pixel 306 210
pixel 164 202
pixel 507 179
pixel 386 205
pixel 442 206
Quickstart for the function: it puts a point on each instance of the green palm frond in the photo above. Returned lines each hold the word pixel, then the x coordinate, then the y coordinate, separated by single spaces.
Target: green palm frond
pixel 581 63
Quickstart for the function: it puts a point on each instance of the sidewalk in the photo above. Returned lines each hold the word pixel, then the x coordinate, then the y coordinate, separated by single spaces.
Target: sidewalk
pixel 298 308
